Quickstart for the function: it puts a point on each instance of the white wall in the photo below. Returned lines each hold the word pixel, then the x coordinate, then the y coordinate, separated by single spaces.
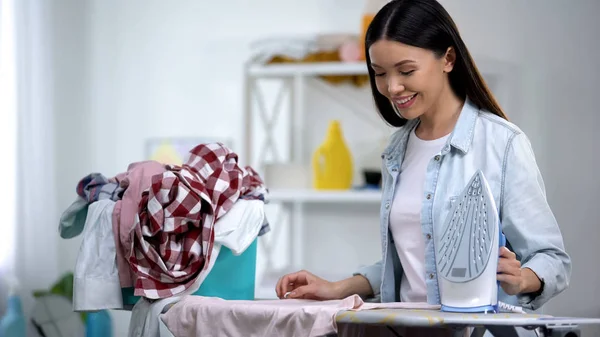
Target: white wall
pixel 138 69
pixel 72 113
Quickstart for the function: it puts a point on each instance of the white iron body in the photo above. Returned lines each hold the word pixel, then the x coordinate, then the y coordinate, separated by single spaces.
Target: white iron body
pixel 467 251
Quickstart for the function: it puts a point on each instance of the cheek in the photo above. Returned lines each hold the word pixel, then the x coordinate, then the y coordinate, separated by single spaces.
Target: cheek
pixel 426 85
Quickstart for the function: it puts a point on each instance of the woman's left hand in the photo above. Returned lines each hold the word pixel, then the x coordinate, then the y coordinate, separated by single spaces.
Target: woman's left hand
pixel 510 272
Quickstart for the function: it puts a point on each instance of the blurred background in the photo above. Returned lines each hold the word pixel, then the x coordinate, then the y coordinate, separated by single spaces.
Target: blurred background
pixel 92 86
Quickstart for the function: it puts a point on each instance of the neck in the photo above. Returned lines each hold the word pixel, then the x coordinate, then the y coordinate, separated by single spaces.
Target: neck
pixel 440 120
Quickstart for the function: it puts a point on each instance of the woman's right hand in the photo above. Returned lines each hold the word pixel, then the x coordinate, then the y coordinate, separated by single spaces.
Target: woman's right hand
pixel 304 285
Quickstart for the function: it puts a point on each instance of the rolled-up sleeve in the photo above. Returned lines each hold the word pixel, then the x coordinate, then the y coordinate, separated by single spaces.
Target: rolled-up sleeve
pixel 529 224
pixel 373 274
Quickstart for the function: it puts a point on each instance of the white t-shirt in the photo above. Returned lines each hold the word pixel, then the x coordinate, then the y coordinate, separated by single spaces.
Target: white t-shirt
pixel 405 215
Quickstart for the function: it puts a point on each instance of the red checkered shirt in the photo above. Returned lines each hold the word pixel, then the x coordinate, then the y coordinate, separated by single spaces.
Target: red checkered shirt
pixel 173 231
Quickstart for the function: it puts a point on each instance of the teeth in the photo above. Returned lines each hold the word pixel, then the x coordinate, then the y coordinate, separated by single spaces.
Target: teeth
pixel 405 100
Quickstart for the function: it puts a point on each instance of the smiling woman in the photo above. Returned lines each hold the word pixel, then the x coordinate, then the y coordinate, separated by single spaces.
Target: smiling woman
pixel 448 127
pixel 412 49
pixel 8 134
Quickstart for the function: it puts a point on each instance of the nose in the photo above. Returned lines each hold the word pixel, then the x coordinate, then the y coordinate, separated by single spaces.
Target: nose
pixel 395 86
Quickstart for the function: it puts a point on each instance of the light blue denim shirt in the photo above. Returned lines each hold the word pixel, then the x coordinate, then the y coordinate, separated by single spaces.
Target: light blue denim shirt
pixel 486 142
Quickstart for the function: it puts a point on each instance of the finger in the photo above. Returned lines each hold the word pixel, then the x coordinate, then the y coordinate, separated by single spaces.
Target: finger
pixel 282 286
pixel 288 288
pixel 297 277
pixel 278 287
pixel 508 279
pixel 505 252
pixel 291 281
pixel 307 291
pixel 509 263
pixel 508 267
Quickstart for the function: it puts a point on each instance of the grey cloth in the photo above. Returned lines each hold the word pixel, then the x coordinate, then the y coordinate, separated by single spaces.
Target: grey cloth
pixel 91 188
pixel 73 219
pixel 96 186
pixel 145 316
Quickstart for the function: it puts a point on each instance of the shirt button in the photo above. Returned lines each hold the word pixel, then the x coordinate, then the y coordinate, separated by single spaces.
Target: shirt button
pixel 428 236
pixel 437 158
pixel 428 196
pixel 387 205
pixel 394 169
pixel 431 276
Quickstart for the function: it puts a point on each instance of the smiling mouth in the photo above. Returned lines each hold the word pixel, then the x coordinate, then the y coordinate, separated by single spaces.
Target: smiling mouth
pixel 406 102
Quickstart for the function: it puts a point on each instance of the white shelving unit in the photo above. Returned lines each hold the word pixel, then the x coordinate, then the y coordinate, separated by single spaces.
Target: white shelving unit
pixel 294 77
pixel 307 69
pixel 312 196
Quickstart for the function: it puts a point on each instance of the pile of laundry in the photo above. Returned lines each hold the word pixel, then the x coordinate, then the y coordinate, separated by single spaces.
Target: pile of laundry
pixel 158 227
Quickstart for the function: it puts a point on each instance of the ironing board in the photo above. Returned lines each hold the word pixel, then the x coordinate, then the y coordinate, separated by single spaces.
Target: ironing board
pixel 499 325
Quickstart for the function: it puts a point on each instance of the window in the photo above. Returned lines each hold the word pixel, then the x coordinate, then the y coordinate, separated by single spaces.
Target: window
pixel 8 133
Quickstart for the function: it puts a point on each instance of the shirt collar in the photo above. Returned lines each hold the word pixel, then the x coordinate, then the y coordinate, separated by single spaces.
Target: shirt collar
pixel 461 137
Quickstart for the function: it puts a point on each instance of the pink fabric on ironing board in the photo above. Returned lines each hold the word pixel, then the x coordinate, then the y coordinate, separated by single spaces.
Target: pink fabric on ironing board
pixel 210 316
pixel 137 179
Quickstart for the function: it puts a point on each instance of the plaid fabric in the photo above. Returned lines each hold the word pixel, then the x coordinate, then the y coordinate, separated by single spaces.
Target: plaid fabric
pixel 173 231
pixel 95 186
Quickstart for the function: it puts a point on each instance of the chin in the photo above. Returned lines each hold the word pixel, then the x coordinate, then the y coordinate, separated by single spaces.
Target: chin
pixel 411 114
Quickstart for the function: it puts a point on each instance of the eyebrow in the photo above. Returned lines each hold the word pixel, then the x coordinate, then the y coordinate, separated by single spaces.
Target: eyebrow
pixel 395 65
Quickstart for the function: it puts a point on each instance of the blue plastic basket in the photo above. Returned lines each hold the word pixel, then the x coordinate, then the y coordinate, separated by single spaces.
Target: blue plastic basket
pixel 231 278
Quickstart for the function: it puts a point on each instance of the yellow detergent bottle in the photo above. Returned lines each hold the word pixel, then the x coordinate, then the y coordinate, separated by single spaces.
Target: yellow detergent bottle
pixel 332 161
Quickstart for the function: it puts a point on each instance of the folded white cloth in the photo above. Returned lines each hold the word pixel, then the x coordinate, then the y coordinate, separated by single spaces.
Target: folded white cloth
pixel 96 283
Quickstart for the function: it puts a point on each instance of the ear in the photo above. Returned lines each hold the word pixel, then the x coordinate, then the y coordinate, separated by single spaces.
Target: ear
pixel 449 59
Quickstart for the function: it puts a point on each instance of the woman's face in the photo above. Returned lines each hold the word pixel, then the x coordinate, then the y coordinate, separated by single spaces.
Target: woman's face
pixel 411 78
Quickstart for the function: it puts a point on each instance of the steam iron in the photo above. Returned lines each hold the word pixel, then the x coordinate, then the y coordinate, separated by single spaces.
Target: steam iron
pixel 467 252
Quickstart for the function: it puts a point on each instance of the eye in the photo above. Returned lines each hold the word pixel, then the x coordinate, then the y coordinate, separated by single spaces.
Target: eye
pixel 407 73
pixel 379 75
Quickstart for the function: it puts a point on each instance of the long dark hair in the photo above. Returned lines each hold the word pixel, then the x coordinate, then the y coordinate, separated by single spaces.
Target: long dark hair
pixel 426 24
